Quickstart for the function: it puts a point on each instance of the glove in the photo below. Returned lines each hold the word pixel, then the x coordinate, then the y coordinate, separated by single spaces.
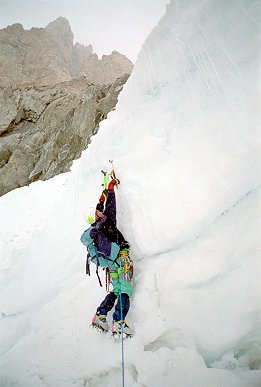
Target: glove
pixel 99 206
pixel 103 196
pixel 125 245
pixel 113 183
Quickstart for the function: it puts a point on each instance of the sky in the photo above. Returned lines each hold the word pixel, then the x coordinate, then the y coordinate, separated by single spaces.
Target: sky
pixel 183 138
pixel 108 25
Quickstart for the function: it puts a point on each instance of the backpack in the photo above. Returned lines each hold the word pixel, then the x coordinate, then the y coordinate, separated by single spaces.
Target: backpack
pixel 104 253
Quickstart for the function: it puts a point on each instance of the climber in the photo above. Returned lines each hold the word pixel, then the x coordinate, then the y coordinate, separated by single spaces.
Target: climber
pixel 111 252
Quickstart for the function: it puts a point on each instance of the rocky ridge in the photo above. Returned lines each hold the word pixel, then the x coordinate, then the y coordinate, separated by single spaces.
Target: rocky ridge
pixel 47 55
pixel 53 95
pixel 44 128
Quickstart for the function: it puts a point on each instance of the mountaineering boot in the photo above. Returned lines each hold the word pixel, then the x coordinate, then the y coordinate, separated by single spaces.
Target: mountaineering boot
pixel 100 322
pixel 119 327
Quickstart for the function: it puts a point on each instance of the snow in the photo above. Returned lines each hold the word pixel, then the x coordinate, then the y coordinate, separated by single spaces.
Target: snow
pixel 184 140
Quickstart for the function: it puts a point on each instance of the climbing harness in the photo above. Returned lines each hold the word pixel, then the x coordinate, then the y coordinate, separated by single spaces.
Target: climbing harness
pixel 124 271
pixel 108 274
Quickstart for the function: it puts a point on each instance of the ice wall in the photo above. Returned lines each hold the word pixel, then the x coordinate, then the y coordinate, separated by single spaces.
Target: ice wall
pixel 188 118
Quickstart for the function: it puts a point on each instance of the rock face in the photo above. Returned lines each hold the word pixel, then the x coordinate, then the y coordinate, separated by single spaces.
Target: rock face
pixel 64 92
pixel 44 128
pixel 47 55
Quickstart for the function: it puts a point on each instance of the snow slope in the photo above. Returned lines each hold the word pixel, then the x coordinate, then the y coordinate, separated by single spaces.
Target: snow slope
pixel 184 138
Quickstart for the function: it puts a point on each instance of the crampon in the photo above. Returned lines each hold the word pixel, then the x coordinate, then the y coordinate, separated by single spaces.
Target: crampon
pixel 100 323
pixel 121 328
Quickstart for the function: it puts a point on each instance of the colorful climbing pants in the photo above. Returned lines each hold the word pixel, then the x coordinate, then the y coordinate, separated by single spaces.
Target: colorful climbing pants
pixel 120 275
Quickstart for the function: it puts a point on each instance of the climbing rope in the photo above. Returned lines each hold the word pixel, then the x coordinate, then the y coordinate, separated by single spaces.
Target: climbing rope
pixel 122 346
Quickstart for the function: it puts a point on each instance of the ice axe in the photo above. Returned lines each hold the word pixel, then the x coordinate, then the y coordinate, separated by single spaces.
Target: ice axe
pixel 113 174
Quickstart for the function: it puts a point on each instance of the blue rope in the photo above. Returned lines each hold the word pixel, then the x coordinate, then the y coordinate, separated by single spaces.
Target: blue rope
pixel 122 347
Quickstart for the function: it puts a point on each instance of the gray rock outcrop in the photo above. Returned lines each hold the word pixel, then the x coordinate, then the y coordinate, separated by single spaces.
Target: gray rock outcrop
pixel 47 55
pixel 44 128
